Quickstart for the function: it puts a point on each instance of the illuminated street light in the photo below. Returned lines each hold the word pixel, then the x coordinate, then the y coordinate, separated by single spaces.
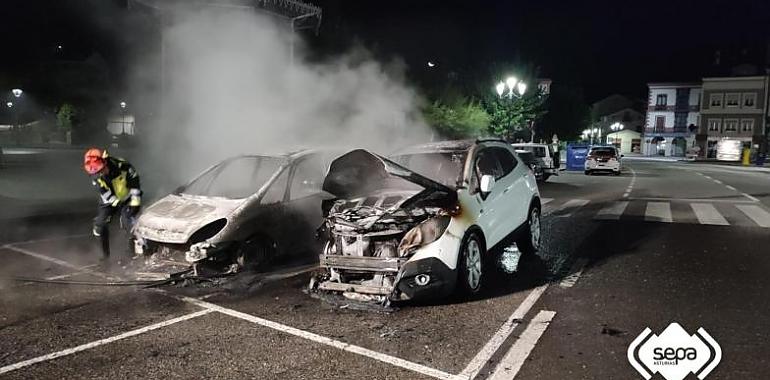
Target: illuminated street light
pixel 123 112
pixel 511 82
pixel 617 127
pixel 500 89
pixel 431 64
pixel 9 104
pixel 123 105
pixel 522 87
pixel 17 92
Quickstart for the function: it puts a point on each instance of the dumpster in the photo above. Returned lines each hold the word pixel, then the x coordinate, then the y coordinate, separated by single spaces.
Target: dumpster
pixel 576 156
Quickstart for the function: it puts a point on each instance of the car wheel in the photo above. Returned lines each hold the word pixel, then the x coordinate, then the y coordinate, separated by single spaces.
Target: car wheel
pixel 530 238
pixel 470 265
pixel 254 253
pixel 587 172
pixel 617 172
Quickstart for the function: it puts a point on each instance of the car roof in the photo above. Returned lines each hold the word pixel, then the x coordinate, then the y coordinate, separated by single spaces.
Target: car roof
pixel 448 146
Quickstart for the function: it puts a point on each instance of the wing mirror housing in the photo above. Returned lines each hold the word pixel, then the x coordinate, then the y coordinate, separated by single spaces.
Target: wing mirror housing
pixel 487 183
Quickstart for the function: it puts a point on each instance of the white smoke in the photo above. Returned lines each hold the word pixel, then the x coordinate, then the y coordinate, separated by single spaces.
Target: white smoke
pixel 232 89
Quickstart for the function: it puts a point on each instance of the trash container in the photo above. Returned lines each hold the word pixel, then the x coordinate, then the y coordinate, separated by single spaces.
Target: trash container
pixel 576 156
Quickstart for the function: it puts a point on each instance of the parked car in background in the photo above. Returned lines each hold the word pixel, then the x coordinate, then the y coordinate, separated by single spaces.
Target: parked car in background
pixel 528 158
pixel 424 222
pixel 549 160
pixel 603 159
pixel 242 213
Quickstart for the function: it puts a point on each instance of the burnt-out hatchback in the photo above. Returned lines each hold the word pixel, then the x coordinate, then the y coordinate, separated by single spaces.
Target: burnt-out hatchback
pixel 244 212
pixel 424 222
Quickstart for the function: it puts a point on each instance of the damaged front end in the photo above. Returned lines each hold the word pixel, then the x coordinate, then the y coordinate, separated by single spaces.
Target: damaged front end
pixel 371 241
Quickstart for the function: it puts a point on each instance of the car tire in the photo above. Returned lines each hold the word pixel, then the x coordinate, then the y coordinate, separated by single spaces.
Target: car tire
pixel 254 253
pixel 616 173
pixel 529 240
pixel 587 172
pixel 470 264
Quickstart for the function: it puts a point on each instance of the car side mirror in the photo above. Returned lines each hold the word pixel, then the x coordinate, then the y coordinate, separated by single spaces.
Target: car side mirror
pixel 487 183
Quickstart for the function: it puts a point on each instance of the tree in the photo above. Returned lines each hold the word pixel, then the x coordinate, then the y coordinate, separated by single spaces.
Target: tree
pixel 510 117
pixel 464 118
pixel 65 117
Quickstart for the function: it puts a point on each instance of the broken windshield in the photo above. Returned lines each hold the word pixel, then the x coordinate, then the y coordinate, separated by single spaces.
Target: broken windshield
pixel 445 168
pixel 235 178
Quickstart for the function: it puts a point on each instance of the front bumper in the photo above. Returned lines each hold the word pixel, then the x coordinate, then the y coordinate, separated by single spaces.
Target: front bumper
pixel 416 279
pixel 609 166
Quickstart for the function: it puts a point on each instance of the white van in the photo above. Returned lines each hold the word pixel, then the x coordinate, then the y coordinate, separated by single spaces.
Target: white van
pixel 545 155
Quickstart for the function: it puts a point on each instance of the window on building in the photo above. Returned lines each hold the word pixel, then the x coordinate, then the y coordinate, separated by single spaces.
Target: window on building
pixel 732 100
pixel 749 100
pixel 715 101
pixel 680 120
pixel 662 100
pixel 747 125
pixel 714 125
pixel 660 123
pixel 731 125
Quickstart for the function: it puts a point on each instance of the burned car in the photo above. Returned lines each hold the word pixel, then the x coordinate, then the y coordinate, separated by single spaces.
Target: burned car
pixel 241 213
pixel 421 224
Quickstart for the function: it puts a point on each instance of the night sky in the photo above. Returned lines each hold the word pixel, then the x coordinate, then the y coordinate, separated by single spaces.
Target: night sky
pixel 604 47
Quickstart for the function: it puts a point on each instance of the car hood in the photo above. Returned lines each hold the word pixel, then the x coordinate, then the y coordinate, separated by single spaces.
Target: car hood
pixel 360 172
pixel 174 218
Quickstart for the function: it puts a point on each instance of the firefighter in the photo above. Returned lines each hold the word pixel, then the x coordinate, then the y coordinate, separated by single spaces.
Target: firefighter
pixel 120 194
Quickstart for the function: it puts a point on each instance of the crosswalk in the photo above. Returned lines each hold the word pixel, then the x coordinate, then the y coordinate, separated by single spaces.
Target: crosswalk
pixel 660 211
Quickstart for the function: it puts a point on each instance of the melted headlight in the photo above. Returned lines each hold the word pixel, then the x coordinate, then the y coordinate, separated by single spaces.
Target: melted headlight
pixel 424 233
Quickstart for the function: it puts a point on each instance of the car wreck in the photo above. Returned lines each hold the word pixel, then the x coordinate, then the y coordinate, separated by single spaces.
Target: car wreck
pixel 392 234
pixel 243 213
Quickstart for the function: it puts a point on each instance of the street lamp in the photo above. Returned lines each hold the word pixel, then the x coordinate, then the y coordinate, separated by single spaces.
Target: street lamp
pixel 9 104
pixel 123 113
pixel 522 87
pixel 17 92
pixel 500 89
pixel 514 86
pixel 617 127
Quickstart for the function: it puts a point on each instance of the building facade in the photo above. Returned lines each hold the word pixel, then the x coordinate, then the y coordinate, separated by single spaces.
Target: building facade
pixel 733 108
pixel 672 120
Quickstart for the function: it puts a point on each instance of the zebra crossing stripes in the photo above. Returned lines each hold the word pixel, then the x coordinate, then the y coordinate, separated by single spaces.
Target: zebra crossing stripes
pixel 613 211
pixel 708 214
pixel 756 213
pixel 658 212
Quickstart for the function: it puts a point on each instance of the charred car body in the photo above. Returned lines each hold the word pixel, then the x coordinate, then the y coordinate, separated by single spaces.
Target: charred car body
pixel 241 213
pixel 421 223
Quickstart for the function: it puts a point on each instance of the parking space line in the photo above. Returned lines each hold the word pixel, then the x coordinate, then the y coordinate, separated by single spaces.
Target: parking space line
pixel 398 362
pixel 477 363
pixel 750 197
pixel 56 261
pixel 510 365
pixel 101 342
pixel 630 187
pixel 577 270
pixel 572 205
pixel 545 201
pixel 731 188
pixel 65 237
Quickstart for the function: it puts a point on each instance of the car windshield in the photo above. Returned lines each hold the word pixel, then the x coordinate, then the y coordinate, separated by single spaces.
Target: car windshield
pixel 445 168
pixel 539 151
pixel 235 178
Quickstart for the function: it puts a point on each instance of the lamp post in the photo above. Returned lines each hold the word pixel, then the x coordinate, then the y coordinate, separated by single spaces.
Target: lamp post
pixel 17 92
pixel 123 113
pixel 514 87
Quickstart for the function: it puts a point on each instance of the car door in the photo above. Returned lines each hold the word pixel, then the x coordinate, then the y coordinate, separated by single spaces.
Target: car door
pixel 305 197
pixel 491 209
pixel 516 193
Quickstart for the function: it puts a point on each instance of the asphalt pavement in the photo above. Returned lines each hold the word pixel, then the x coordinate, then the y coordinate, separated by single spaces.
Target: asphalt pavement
pixel 664 242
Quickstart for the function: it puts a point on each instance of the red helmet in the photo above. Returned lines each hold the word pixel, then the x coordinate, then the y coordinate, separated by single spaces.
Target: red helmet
pixel 93 162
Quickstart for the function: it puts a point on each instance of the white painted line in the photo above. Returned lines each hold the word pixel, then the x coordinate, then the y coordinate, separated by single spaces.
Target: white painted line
pixel 658 212
pixel 697 200
pixel 613 211
pixel 477 363
pixel 545 201
pixel 57 261
pixel 65 237
pixel 510 365
pixel 708 214
pixel 572 205
pixel 717 181
pixel 756 213
pixel 577 270
pixel 750 197
pixel 625 195
pixel 101 342
pixel 398 362
pixel 731 188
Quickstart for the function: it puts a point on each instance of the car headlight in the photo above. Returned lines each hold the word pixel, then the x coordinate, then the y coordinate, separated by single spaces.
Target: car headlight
pixel 424 233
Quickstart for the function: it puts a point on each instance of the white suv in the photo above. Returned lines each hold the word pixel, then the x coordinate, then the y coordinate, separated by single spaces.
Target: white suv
pixel 603 159
pixel 424 222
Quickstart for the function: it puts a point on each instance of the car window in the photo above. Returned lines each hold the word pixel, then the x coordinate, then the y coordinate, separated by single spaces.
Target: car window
pixel 308 178
pixel 608 152
pixel 538 151
pixel 487 164
pixel 445 168
pixel 277 190
pixel 506 160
